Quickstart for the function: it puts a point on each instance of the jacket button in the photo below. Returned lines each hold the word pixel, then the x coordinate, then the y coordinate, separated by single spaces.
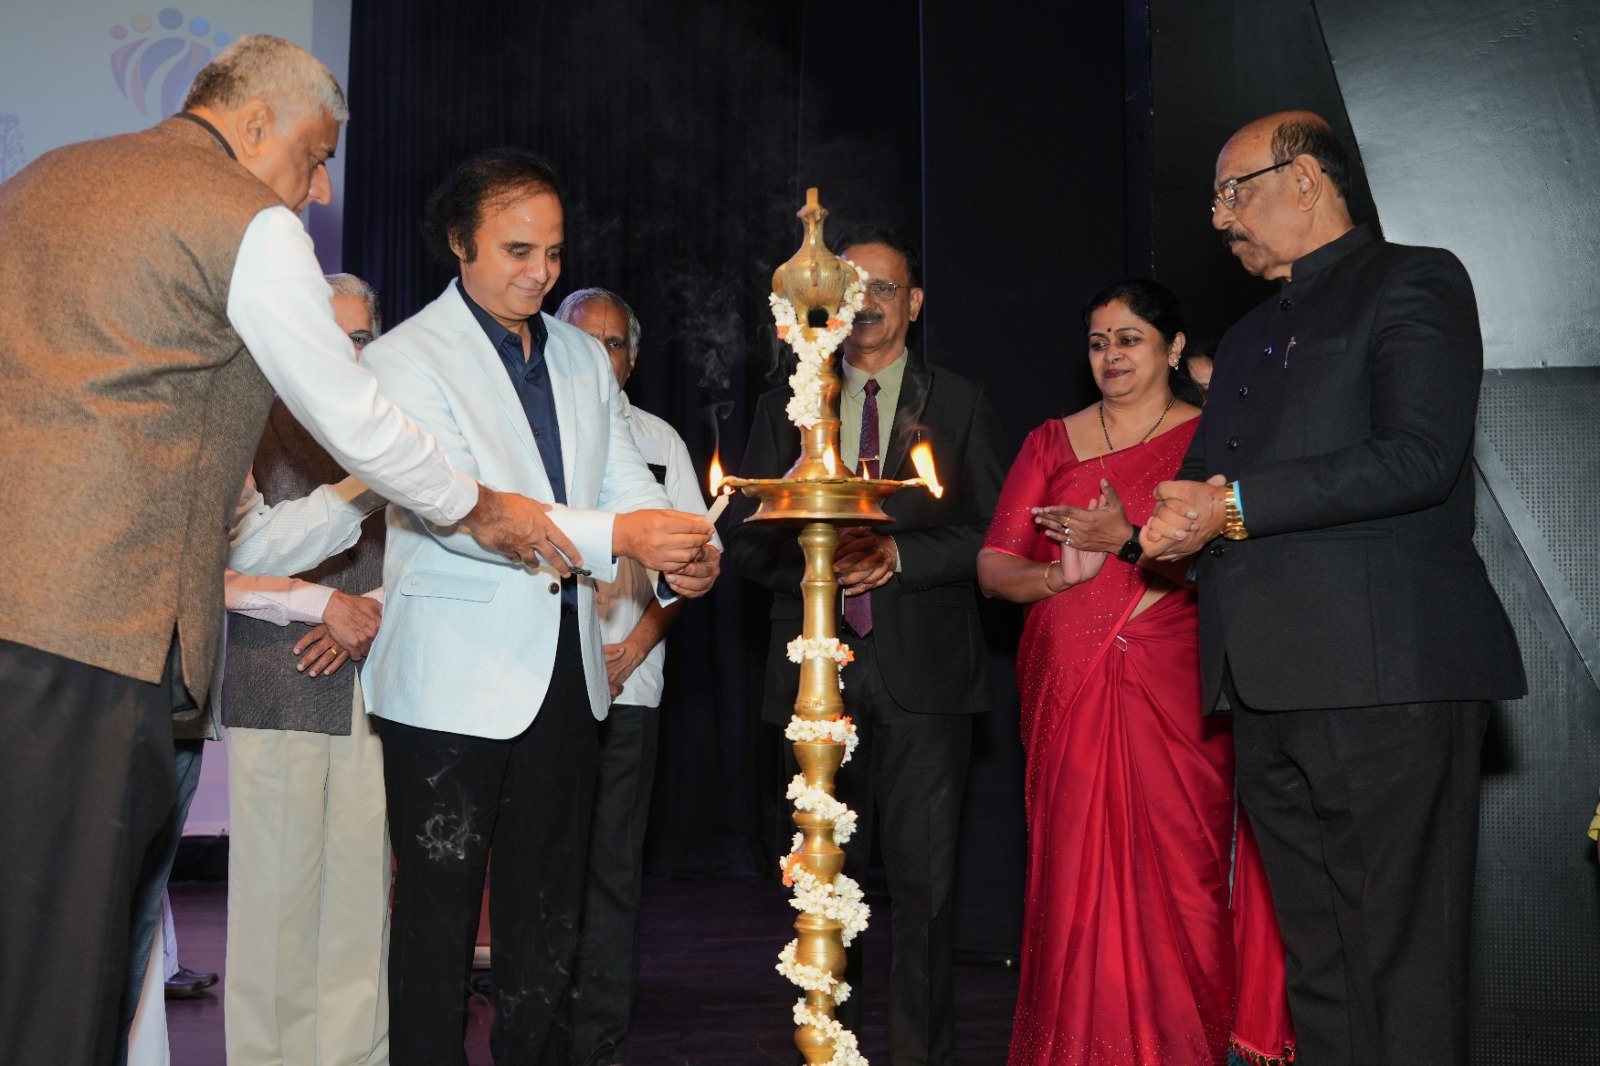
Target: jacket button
pixel 1218 550
pixel 1268 350
pixel 555 588
pixel 1244 391
pixel 1283 304
pixel 1233 442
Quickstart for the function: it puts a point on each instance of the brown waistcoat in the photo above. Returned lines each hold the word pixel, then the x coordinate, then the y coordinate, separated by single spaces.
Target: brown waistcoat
pixel 128 406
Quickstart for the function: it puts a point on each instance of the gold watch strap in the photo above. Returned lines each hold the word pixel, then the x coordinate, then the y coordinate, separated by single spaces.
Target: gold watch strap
pixel 1232 518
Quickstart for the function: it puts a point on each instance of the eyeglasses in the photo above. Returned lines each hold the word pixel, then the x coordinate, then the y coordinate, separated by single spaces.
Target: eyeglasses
pixel 1227 194
pixel 884 291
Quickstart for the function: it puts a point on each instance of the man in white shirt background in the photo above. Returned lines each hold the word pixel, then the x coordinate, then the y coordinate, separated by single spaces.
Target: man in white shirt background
pixel 308 854
pixel 633 624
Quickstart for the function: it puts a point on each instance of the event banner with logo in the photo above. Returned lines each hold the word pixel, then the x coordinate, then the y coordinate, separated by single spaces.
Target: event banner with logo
pixel 75 69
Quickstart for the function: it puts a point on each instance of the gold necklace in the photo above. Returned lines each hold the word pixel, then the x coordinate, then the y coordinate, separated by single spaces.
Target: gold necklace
pixel 1142 440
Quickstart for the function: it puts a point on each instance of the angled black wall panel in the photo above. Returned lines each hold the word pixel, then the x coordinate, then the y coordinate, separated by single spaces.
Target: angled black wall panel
pixel 1479 124
pixel 1479 121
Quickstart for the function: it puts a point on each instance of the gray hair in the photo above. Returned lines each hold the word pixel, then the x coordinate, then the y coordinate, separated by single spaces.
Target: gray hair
pixel 263 67
pixel 350 285
pixel 569 307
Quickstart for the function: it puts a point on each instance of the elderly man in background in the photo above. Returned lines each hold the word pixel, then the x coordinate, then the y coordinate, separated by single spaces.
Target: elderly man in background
pixel 633 624
pixel 138 372
pixel 1345 617
pixel 308 858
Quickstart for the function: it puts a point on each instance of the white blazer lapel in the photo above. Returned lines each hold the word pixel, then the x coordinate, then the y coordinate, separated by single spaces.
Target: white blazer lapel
pixel 558 361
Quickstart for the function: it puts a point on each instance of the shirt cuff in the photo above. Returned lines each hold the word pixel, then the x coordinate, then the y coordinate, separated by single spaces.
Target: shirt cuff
pixel 307 602
pixel 352 493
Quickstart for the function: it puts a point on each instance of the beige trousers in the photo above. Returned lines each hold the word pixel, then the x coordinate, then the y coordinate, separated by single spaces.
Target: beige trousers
pixel 308 897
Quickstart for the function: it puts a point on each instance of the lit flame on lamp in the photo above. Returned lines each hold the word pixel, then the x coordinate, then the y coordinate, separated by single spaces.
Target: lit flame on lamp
pixel 714 480
pixel 720 494
pixel 922 459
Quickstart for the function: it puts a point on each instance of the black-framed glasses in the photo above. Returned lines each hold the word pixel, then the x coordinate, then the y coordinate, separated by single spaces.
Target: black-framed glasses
pixel 1227 194
pixel 882 290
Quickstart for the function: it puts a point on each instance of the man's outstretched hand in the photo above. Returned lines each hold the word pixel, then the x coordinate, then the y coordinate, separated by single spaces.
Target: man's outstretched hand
pixel 662 540
pixel 697 577
pixel 520 529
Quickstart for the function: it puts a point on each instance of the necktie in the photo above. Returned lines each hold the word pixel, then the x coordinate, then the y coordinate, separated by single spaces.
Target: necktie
pixel 858 609
pixel 871 461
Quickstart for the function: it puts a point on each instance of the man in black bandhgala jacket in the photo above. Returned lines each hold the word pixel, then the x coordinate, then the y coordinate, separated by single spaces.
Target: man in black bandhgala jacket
pixel 1345 617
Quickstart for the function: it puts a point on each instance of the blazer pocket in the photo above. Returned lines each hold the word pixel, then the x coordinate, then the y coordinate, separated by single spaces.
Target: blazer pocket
pixel 442 585
pixel 1319 348
pixel 1356 533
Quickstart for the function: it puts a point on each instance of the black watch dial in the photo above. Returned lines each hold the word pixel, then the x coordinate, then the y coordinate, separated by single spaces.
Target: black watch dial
pixel 1132 551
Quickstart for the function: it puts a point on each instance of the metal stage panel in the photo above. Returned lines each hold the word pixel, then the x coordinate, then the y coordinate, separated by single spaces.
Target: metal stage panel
pixel 1536 961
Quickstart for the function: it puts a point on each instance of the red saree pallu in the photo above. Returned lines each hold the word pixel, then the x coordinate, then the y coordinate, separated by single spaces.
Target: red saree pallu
pixel 1148 934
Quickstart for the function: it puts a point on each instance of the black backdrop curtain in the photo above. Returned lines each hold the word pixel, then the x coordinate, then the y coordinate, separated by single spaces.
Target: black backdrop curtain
pixel 685 133
pixel 674 129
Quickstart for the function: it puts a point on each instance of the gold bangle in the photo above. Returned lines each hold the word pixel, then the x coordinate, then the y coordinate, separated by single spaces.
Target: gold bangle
pixel 1232 518
pixel 1047 586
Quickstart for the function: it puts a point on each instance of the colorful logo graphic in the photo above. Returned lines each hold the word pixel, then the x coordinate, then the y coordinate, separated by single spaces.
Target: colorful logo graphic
pixel 159 58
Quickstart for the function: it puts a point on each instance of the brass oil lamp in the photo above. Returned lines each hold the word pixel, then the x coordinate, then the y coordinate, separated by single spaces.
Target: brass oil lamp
pixel 819 497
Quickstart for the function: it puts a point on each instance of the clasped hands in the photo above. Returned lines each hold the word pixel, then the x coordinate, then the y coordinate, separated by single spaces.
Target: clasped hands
pixel 1188 515
pixel 1086 534
pixel 348 626
pixel 673 542
pixel 863 560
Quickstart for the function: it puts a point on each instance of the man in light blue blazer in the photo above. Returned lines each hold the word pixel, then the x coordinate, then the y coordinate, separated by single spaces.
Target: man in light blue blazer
pixel 488 674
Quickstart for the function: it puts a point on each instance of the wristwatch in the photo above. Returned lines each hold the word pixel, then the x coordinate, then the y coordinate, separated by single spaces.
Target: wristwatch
pixel 1132 551
pixel 1233 527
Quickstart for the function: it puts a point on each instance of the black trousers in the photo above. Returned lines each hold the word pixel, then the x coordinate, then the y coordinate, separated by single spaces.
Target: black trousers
pixel 86 785
pixel 905 782
pixel 454 800
pixel 1368 822
pixel 608 953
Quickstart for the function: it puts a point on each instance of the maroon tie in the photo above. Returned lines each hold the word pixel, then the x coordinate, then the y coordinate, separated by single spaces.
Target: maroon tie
pixel 858 609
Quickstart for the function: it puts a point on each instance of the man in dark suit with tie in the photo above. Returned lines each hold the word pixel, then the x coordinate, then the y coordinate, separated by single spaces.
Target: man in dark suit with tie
pixel 1345 616
pixel 911 616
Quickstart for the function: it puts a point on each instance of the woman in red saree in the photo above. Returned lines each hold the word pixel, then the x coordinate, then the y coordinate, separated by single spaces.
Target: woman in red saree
pixel 1149 936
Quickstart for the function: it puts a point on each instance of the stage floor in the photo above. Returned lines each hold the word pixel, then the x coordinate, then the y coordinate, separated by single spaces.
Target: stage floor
pixel 708 992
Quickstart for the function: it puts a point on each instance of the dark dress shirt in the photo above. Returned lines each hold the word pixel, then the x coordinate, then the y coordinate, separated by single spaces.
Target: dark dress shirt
pixel 530 377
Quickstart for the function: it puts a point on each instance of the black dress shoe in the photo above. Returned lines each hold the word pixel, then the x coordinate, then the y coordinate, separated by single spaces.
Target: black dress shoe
pixel 186 983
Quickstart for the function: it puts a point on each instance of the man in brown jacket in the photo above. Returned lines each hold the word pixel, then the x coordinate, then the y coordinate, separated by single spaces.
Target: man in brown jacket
pixel 155 290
